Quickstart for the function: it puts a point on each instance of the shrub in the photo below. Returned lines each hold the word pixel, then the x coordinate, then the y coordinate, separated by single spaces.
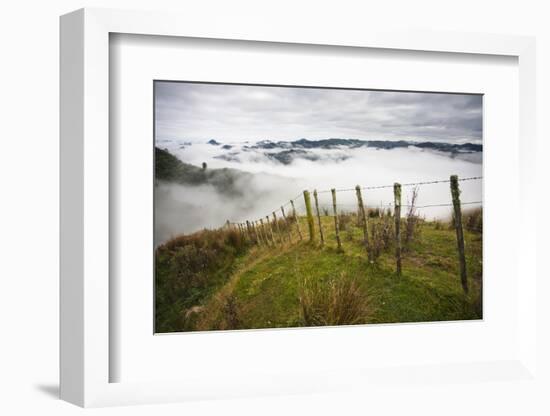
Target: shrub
pixel 381 237
pixel 473 219
pixel 412 220
pixel 345 220
pixel 338 300
pixel 374 212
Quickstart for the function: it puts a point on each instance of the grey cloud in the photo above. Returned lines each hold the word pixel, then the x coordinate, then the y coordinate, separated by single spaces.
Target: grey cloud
pixel 237 113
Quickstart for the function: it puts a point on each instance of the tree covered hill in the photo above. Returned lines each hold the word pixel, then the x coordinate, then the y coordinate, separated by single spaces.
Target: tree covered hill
pixel 170 169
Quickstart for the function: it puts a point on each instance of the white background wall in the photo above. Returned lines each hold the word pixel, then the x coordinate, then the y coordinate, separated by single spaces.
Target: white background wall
pixel 29 56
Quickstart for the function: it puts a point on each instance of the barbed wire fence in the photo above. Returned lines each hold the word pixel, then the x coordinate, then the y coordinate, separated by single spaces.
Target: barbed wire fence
pixel 282 225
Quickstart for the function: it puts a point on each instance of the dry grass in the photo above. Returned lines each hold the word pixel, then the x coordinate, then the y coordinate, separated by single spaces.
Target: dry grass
pixel 346 220
pixel 381 237
pixel 472 219
pixel 336 301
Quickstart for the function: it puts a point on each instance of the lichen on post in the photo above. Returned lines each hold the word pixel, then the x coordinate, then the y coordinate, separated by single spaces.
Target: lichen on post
pixel 309 214
pixel 455 193
pixel 318 217
pixel 397 215
pixel 336 225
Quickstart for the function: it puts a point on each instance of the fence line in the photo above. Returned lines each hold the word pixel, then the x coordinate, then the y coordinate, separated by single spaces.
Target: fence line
pixel 261 234
pixel 328 206
pixel 290 202
pixel 403 184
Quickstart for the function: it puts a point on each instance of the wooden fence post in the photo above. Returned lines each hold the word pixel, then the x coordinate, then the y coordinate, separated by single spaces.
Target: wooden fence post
pixel 270 228
pixel 397 215
pixel 250 234
pixel 286 224
pixel 455 192
pixel 255 232
pixel 296 219
pixel 264 232
pixel 277 228
pixel 266 236
pixel 363 219
pixel 260 233
pixel 309 214
pixel 318 217
pixel 336 226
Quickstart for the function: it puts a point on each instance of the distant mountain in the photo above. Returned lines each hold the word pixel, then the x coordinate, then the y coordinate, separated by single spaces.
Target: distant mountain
pixel 285 152
pixel 378 144
pixel 213 142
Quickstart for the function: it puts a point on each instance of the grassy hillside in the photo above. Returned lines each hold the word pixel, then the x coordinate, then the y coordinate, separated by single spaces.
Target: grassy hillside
pixel 223 281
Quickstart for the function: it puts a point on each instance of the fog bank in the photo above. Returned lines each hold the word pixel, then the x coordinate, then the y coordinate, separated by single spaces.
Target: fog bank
pixel 182 209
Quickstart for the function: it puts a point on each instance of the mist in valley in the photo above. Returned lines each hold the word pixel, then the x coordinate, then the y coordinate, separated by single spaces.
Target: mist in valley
pixel 183 209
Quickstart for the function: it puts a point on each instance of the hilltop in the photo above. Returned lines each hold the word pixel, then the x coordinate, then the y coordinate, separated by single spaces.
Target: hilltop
pixel 221 279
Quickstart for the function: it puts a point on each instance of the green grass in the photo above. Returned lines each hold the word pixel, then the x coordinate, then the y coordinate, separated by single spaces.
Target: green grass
pixel 262 287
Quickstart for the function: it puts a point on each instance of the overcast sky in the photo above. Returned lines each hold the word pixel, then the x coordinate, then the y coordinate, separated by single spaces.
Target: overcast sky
pixel 188 111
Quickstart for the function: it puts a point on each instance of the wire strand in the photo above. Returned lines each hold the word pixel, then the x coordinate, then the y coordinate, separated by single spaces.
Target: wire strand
pixel 298 201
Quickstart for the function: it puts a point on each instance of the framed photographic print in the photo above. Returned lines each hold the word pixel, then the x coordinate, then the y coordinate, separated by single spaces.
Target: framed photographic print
pixel 260 231
pixel 325 209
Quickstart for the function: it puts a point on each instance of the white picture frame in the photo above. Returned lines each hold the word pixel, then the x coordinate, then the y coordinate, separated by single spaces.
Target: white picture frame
pixel 85 265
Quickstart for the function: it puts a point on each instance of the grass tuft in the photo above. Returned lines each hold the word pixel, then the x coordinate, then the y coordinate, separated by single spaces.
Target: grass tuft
pixel 337 301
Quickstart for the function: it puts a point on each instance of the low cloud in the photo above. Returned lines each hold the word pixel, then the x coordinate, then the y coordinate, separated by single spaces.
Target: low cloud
pixel 182 209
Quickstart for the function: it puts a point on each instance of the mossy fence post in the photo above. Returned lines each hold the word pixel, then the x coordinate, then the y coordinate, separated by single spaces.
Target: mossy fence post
pixel 336 225
pixel 397 215
pixel 279 236
pixel 270 228
pixel 296 219
pixel 455 192
pixel 318 217
pixel 363 217
pixel 287 225
pixel 309 214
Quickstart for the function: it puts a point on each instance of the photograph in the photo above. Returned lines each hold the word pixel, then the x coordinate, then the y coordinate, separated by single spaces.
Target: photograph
pixel 281 206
